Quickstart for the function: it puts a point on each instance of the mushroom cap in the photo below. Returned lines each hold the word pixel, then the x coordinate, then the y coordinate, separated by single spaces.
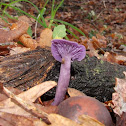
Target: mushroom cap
pixel 73 107
pixel 62 47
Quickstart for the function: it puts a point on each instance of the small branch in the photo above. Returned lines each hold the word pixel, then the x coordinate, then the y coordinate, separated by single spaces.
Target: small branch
pixel 26 105
pixel 104 3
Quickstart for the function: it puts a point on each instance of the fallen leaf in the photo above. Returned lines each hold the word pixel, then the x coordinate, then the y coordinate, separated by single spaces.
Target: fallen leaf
pixel 28 41
pixel 16 104
pixel 59 32
pixel 73 92
pixel 58 120
pixel 35 92
pixel 3 23
pixel 93 51
pixel 98 42
pixel 115 58
pixel 3 96
pixel 121 120
pixel 26 19
pixel 119 97
pixel 119 101
pixel 45 38
pixel 7 119
pixel 86 120
pixel 16 50
pixel 19 28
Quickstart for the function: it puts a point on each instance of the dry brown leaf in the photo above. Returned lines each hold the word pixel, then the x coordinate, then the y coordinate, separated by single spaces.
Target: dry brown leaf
pixel 115 58
pixel 45 37
pixel 26 99
pixel 47 109
pixel 119 97
pixel 84 41
pixel 26 19
pixel 108 56
pixel 99 42
pixel 121 120
pixel 58 120
pixel 7 119
pixel 119 101
pixel 93 51
pixel 28 41
pixel 16 50
pixel 73 92
pixel 86 120
pixel 20 28
pixel 3 23
pixel 3 96
pixel 35 92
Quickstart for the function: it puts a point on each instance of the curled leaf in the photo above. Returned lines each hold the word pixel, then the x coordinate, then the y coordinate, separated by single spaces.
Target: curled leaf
pixel 119 97
pixel 18 104
pixel 45 37
pixel 28 41
pixel 73 92
pixel 17 29
pixel 58 120
pixel 86 120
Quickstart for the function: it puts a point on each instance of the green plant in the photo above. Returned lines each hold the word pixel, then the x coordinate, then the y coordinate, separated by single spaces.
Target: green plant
pixel 40 17
pixel 117 9
pixel 29 31
pixel 59 32
pixel 92 15
pixel 119 36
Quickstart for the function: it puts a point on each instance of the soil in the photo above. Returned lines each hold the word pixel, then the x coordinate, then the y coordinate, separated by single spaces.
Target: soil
pixel 94 77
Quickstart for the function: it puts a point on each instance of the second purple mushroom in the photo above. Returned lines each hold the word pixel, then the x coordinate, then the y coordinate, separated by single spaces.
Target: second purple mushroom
pixel 65 52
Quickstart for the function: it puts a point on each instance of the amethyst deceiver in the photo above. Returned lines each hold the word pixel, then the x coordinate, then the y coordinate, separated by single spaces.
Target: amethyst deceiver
pixel 65 52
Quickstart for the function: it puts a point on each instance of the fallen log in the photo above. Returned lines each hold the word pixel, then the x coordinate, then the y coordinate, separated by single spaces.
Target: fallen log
pixel 92 76
pixel 26 69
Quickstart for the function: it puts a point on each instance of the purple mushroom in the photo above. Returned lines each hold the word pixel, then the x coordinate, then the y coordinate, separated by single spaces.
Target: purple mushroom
pixel 65 52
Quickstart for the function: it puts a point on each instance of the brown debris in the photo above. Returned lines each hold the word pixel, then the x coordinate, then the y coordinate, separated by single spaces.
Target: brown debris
pixel 45 37
pixel 16 50
pixel 28 41
pixel 3 23
pixel 98 42
pixel 119 98
pixel 17 29
pixel 73 92
pixel 115 58
pixel 8 119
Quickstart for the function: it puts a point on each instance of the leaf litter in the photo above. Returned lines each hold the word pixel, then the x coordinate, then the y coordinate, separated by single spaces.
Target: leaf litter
pixel 107 32
pixel 22 109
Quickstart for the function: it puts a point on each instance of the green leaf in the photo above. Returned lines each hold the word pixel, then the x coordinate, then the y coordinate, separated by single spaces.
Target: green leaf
pixel 59 32
pixel 20 43
pixel 70 25
pixel 29 31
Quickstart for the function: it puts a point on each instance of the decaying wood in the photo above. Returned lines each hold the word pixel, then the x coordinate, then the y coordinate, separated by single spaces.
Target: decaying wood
pixel 27 69
pixel 92 76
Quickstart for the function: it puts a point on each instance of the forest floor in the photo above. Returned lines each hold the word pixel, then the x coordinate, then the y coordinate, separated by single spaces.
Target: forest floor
pixel 104 25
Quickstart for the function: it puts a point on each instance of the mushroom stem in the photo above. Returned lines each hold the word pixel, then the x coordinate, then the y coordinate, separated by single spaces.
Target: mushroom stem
pixel 63 81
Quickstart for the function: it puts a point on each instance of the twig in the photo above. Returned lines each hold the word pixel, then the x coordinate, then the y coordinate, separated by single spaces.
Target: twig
pixel 104 3
pixel 25 104
pixel 36 24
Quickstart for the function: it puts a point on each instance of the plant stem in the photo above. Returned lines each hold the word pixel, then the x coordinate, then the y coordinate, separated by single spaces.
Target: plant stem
pixel 53 11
